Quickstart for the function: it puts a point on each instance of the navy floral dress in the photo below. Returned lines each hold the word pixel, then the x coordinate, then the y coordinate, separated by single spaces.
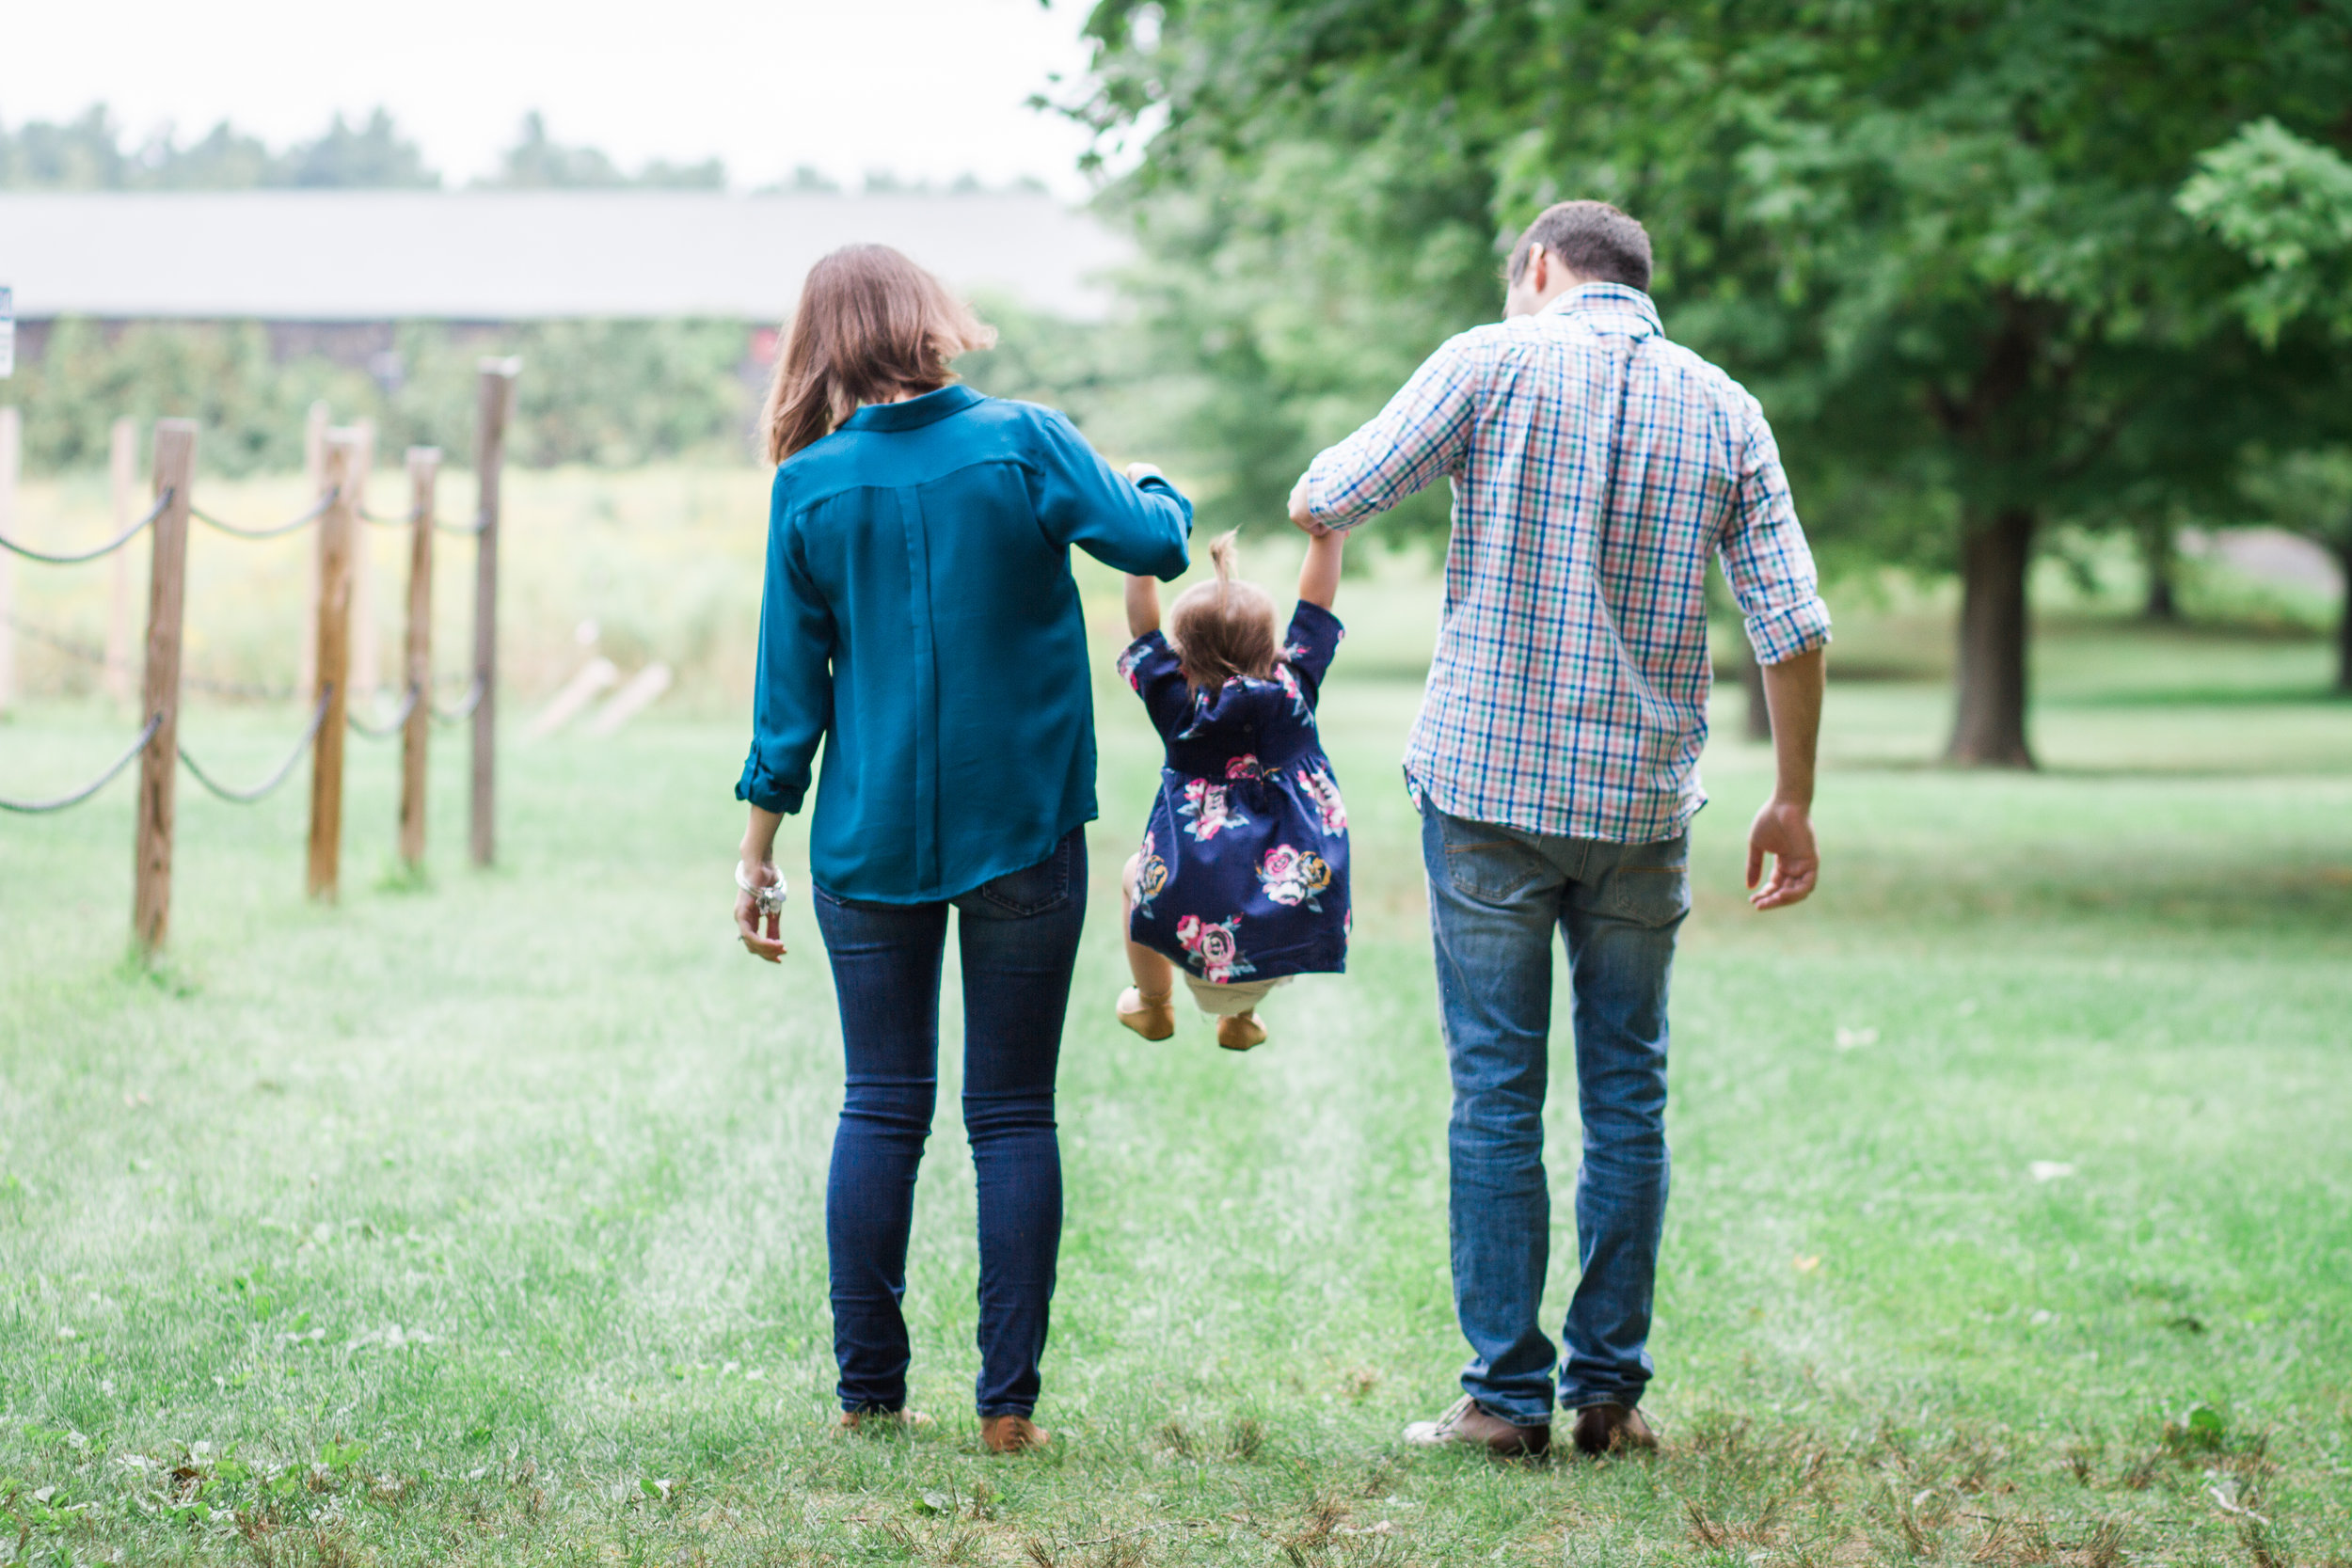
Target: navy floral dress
pixel 1244 875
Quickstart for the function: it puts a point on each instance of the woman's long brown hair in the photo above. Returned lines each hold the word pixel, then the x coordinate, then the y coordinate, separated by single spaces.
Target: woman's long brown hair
pixel 871 325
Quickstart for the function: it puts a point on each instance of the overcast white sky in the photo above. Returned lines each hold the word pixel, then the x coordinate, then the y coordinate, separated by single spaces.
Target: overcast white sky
pixel 926 88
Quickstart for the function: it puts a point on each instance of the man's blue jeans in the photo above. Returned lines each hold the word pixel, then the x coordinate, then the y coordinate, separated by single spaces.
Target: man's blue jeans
pixel 1019 937
pixel 1495 895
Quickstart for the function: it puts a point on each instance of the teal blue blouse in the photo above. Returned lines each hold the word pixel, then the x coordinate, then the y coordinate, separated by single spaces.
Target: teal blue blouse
pixel 921 620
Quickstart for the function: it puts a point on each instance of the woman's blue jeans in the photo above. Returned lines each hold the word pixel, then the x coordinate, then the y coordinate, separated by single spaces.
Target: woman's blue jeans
pixel 1018 937
pixel 1496 896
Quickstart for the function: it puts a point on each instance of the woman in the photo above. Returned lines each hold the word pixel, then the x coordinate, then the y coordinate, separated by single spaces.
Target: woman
pixel 921 620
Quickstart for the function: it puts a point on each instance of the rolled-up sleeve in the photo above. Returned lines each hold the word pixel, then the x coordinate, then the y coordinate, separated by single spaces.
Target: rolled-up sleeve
pixel 1421 436
pixel 1766 559
pixel 794 702
pixel 1081 501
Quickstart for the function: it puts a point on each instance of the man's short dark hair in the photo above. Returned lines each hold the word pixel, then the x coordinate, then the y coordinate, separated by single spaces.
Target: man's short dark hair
pixel 1589 238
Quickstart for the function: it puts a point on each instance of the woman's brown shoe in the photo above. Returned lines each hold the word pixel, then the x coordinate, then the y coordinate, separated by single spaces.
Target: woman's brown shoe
pixel 1011 1434
pixel 1153 1017
pixel 1240 1031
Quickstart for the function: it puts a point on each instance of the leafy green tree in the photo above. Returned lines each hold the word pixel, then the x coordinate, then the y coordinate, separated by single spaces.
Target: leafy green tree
pixel 538 162
pixel 83 154
pixel 2284 205
pixel 1938 238
pixel 373 156
pixel 224 159
pixel 87 154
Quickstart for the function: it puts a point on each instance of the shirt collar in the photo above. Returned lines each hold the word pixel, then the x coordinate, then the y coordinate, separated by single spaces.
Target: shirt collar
pixel 1606 299
pixel 915 412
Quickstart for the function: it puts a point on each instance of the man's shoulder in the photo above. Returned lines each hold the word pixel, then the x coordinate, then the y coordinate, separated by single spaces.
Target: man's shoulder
pixel 1699 380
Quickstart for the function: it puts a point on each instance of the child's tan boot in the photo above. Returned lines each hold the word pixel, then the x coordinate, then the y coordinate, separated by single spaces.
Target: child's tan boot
pixel 1153 1017
pixel 1240 1031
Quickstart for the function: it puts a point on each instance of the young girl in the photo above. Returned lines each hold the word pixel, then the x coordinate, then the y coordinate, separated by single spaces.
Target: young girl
pixel 1242 874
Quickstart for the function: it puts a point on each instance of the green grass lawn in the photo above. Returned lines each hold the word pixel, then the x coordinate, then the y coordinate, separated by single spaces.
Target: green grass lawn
pixel 481 1220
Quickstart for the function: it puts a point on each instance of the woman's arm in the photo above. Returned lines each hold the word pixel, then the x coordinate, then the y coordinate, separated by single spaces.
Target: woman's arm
pixel 759 869
pixel 790 712
pixel 1319 578
pixel 1130 524
pixel 1143 593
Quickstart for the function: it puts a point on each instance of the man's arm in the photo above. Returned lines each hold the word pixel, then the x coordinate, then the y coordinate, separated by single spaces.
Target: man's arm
pixel 1419 436
pixel 1784 828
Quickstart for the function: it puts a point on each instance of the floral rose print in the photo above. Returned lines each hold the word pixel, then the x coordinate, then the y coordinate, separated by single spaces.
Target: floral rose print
pixel 1294 877
pixel 1244 767
pixel 1135 656
pixel 1288 683
pixel 1150 877
pixel 1213 949
pixel 1323 791
pixel 1211 811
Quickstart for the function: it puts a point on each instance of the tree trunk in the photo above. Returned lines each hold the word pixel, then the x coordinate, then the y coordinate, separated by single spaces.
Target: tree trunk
pixel 2155 549
pixel 1990 728
pixel 1760 722
pixel 2344 621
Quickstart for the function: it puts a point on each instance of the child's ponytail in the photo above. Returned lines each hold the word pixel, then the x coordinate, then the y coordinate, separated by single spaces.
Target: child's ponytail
pixel 1221 555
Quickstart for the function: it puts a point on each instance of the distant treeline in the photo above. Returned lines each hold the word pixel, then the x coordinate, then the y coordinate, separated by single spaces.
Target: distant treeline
pixel 91 153
pixel 612 393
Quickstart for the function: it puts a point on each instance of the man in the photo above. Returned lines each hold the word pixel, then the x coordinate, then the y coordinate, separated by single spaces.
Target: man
pixel 1596 468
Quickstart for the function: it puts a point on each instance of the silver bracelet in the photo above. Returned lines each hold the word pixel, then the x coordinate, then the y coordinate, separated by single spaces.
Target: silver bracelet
pixel 767 900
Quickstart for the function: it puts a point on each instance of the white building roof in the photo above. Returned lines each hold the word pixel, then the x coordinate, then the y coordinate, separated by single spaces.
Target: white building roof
pixel 518 254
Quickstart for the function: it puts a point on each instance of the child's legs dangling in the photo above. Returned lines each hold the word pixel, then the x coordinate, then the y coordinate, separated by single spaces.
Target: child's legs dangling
pixel 1155 976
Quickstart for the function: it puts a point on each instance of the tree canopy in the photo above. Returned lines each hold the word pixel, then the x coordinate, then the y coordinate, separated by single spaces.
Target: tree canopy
pixel 88 153
pixel 1944 241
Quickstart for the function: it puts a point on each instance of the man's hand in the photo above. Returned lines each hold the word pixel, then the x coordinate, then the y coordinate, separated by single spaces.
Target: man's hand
pixel 1139 472
pixel 1784 830
pixel 1300 514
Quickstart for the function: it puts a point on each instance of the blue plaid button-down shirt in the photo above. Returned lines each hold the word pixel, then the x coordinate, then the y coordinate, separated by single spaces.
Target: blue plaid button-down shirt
pixel 1597 467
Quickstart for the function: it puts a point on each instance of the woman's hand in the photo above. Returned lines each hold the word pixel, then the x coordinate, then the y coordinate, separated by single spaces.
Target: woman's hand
pixel 748 920
pixel 757 865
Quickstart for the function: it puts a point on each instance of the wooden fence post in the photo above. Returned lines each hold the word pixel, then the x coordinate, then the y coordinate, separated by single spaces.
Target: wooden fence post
pixel 314 470
pixel 425 467
pixel 11 445
pixel 123 469
pixel 494 403
pixel 159 764
pixel 367 672
pixel 334 668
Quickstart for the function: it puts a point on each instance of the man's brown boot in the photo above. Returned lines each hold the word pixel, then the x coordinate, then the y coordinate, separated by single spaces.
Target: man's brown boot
pixel 1011 1434
pixel 1471 1423
pixel 1611 1429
